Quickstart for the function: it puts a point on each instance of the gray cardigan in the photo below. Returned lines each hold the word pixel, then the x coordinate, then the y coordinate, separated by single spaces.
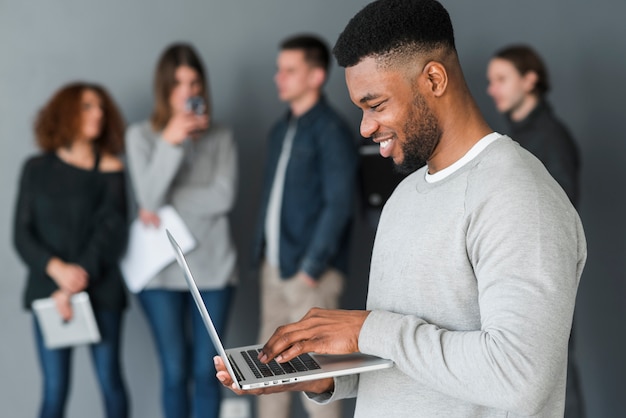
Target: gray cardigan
pixel 472 288
pixel 199 179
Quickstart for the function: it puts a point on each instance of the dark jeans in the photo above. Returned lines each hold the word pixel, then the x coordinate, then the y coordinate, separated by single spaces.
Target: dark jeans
pixel 56 369
pixel 185 349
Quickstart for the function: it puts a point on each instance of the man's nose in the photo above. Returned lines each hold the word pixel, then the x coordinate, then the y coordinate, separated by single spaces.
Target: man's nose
pixel 368 126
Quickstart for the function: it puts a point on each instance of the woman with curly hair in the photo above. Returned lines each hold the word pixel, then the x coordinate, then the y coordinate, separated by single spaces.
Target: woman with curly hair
pixel 70 230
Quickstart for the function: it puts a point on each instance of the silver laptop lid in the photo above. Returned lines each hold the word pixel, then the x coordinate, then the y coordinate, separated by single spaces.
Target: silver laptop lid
pixel 180 257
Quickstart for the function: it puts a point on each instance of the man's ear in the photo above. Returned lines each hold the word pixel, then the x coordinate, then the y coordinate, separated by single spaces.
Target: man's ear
pixel 317 77
pixel 436 77
pixel 530 81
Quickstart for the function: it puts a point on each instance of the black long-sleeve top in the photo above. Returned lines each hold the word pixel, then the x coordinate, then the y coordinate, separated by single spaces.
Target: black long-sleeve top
pixel 78 216
pixel 549 140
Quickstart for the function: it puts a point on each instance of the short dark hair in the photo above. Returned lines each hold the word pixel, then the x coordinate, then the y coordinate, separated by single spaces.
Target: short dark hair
pixel 60 120
pixel 316 51
pixel 526 59
pixel 395 28
pixel 174 56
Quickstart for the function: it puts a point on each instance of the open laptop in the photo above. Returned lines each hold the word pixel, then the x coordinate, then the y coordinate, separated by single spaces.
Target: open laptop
pixel 244 367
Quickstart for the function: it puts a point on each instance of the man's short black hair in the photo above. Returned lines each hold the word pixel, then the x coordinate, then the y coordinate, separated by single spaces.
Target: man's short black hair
pixel 395 28
pixel 316 51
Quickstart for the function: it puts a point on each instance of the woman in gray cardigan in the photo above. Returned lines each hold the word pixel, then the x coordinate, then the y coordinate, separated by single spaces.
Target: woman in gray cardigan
pixel 181 158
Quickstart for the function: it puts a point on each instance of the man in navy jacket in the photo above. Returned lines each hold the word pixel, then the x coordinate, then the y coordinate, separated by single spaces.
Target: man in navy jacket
pixel 307 203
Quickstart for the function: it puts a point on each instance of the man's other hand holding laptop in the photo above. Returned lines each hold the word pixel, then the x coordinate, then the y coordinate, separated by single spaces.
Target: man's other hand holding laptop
pixel 321 331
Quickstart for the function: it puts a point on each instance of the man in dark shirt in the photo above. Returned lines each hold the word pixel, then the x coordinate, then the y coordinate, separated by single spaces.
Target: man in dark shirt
pixel 518 83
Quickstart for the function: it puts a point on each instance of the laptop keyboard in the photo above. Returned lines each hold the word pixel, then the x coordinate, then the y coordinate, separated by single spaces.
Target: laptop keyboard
pixel 302 363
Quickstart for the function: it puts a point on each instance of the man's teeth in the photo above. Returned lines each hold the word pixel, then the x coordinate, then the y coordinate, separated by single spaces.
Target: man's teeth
pixel 385 144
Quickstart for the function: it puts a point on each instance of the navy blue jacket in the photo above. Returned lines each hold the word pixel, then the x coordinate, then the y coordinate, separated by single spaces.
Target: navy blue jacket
pixel 318 195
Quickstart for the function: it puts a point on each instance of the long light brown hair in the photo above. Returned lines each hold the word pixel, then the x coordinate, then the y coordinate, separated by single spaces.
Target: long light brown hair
pixel 176 55
pixel 526 59
pixel 59 122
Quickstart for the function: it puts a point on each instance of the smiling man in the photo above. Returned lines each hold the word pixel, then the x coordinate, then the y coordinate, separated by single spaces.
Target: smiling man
pixel 477 256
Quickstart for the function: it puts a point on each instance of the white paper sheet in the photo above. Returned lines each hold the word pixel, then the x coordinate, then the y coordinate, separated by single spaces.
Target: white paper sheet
pixel 149 250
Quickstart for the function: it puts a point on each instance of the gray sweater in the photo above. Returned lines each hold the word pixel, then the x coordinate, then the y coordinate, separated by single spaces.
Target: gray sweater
pixel 472 289
pixel 199 179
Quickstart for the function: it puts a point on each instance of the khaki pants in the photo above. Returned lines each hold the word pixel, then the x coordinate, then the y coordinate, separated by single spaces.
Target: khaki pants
pixel 286 301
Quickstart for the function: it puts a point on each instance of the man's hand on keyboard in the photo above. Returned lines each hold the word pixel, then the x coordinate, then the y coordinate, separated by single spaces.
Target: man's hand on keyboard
pixel 321 331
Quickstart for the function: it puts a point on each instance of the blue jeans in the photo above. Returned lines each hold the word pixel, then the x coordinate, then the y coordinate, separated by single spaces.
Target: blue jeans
pixel 185 349
pixel 56 369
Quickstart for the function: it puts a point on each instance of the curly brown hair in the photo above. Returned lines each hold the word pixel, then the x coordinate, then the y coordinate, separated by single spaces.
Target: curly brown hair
pixel 60 121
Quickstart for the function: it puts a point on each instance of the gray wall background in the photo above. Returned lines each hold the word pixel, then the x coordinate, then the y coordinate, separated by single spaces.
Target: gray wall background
pixel 44 44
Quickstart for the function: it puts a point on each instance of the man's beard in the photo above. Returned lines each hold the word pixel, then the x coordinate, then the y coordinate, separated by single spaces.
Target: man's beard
pixel 422 134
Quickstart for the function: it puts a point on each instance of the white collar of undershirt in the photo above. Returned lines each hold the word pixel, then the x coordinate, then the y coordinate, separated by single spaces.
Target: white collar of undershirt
pixel 469 156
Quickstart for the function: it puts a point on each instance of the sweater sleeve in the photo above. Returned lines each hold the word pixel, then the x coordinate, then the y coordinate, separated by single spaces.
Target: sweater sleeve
pixel 345 387
pixel 527 252
pixel 152 165
pixel 33 253
pixel 107 242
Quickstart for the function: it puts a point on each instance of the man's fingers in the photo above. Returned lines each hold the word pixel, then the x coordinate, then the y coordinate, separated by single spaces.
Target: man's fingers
pixel 304 336
pixel 223 376
pixel 315 344
pixel 287 341
pixel 301 347
pixel 321 331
